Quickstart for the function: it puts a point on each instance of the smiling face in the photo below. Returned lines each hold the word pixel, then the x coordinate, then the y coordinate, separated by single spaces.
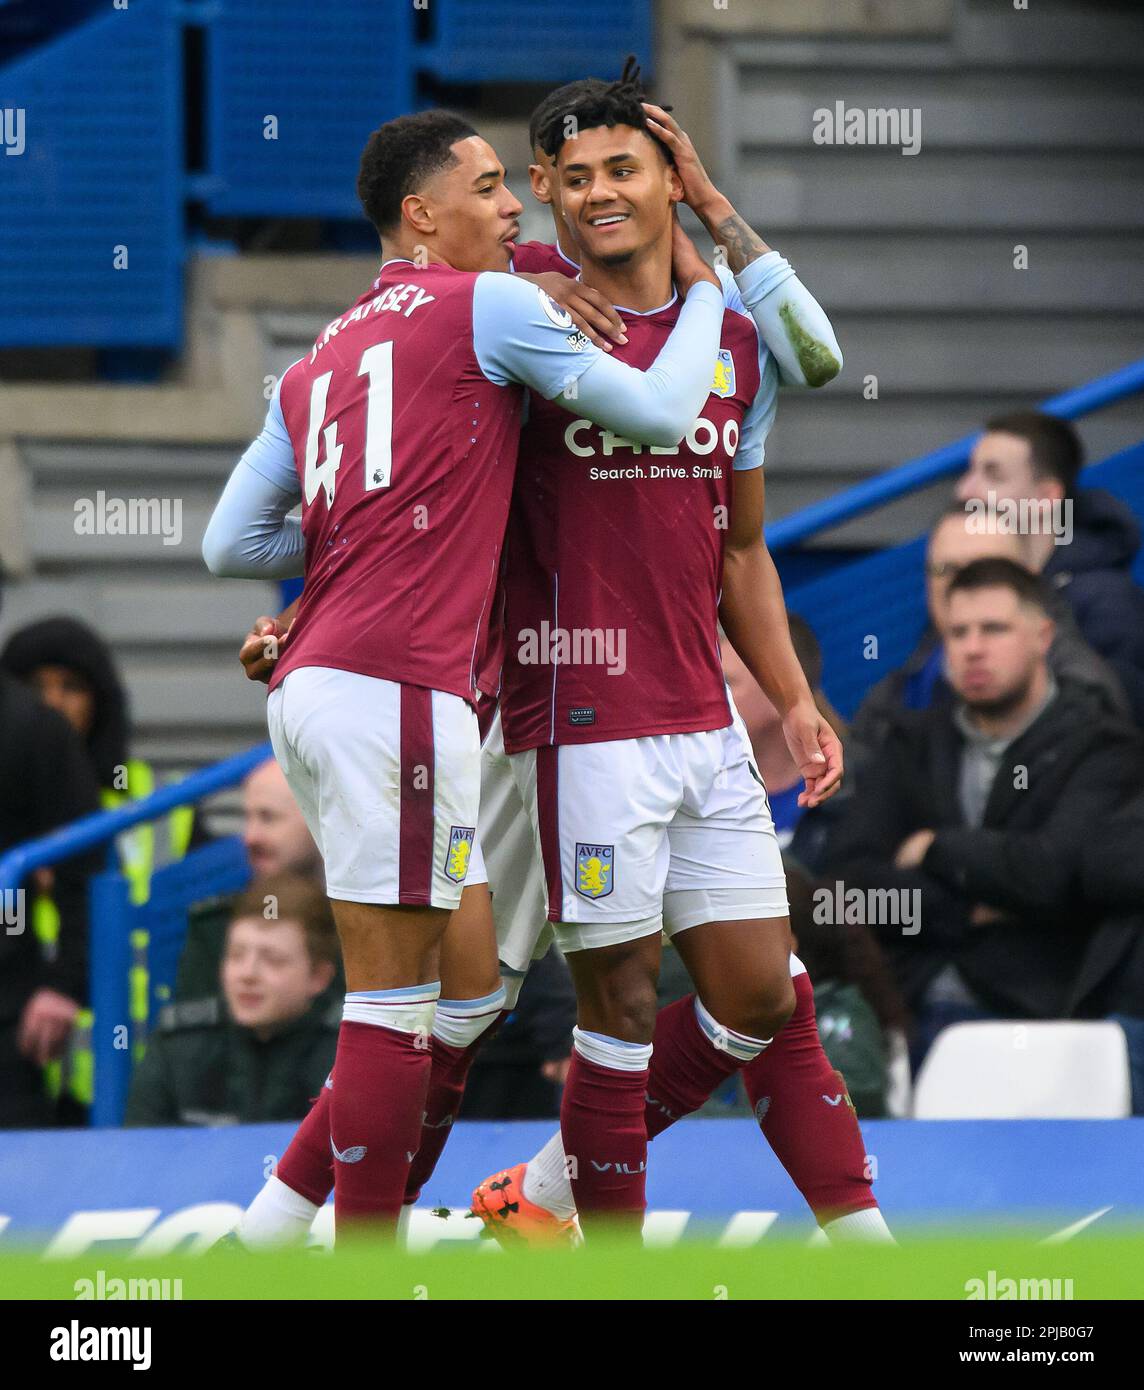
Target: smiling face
pixel 465 214
pixel 268 977
pixel 616 192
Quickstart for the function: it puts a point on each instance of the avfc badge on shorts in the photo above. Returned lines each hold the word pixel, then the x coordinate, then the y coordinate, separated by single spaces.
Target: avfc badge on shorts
pixel 724 382
pixel 457 856
pixel 594 864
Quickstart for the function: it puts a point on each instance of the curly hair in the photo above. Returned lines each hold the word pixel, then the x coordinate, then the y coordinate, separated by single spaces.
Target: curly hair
pixel 400 156
pixel 588 104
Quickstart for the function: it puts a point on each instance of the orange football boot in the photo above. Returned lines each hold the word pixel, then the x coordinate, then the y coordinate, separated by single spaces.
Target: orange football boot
pixel 512 1219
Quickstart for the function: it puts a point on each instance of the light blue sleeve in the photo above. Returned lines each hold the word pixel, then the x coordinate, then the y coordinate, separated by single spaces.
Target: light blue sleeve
pixel 520 335
pixel 760 414
pixel 249 535
pixel 792 322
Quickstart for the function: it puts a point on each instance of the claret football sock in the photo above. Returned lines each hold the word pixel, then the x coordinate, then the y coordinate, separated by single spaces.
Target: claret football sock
pixel 692 1055
pixel 307 1166
pixel 460 1029
pixel 382 1068
pixel 602 1124
pixel 805 1111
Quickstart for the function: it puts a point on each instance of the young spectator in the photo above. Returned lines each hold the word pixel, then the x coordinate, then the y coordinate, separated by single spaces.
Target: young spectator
pixel 1034 458
pixel 978 811
pixel 264 1050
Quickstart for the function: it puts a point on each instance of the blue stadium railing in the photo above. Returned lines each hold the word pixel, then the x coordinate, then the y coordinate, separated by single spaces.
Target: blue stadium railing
pixel 887 584
pixel 883 595
pixel 219 867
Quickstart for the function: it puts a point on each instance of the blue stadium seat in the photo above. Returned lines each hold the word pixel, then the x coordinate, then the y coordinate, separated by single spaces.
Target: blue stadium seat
pixel 102 113
pixel 535 40
pixel 327 74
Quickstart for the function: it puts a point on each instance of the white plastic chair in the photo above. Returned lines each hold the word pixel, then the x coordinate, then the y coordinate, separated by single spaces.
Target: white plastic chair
pixel 1025 1071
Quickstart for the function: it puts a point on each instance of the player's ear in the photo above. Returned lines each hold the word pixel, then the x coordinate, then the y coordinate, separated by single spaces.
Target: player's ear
pixel 418 214
pixel 539 180
pixel 674 184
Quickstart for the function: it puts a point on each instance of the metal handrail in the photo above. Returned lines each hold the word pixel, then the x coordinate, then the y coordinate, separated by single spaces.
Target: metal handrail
pixel 102 826
pixel 930 468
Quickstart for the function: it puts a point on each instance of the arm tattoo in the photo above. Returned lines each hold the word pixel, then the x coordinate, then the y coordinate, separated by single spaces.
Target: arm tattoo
pixel 742 244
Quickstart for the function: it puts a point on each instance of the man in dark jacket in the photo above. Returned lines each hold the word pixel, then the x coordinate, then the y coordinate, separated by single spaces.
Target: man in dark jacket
pixel 920 682
pixel 978 812
pixel 263 1050
pixel 47 781
pixel 1033 459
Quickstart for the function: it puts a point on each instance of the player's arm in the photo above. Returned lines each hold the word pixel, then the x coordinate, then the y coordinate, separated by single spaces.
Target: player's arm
pixel 520 336
pixel 793 323
pixel 250 535
pixel 588 308
pixel 753 614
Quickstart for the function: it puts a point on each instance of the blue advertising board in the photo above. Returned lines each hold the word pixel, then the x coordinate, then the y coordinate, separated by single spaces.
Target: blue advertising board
pixel 153 1190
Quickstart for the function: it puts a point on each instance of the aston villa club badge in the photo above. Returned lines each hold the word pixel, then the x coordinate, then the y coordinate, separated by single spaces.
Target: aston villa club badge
pixel 594 870
pixel 457 856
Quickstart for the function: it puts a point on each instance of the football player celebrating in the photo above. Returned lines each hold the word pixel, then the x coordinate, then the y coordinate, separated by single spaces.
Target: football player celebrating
pixel 398 432
pixel 793 1089
pixel 638 781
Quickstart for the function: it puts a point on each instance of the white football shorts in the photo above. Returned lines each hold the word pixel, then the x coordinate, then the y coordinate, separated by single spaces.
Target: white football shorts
pixel 388 779
pixel 635 835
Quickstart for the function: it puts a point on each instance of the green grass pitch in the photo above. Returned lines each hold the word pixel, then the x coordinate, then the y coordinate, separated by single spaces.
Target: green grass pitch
pixel 1109 1266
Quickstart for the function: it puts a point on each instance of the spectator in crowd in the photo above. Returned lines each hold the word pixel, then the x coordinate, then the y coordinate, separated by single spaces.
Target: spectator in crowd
pixel 801 832
pixel 263 1050
pixel 956 541
pixel 47 781
pixel 277 840
pixel 519 1074
pixel 1031 458
pixel 973 814
pixel 72 670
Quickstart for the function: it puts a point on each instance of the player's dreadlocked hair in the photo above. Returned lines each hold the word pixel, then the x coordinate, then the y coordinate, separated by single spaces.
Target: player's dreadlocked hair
pixel 590 103
pixel 400 156
pixel 558 101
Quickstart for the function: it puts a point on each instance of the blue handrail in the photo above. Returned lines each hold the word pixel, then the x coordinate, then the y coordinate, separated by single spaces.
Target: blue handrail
pixel 102 826
pixel 929 468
